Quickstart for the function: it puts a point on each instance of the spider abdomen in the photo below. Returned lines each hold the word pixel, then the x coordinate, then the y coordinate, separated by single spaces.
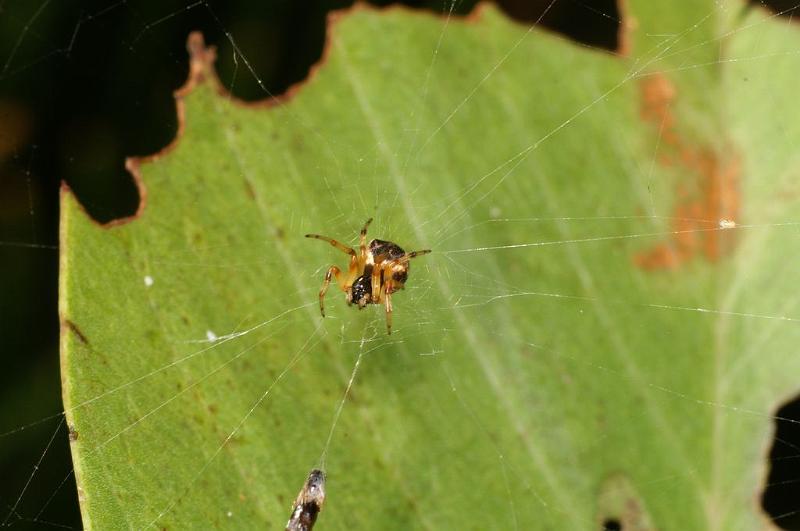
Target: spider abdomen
pixel 383 250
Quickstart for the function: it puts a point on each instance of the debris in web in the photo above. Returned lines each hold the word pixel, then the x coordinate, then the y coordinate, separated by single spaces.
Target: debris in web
pixel 308 503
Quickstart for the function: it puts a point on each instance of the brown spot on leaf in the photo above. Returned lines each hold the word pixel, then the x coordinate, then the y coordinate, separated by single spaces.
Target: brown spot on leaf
pixel 620 504
pixel 657 94
pixel 709 195
pixel 628 24
pixel 248 188
pixel 72 327
pixel 201 59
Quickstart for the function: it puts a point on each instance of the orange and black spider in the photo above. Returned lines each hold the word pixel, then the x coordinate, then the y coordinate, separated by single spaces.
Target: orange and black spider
pixel 376 271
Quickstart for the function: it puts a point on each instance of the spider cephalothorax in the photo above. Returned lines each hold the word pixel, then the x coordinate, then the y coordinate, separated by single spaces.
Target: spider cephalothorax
pixel 376 271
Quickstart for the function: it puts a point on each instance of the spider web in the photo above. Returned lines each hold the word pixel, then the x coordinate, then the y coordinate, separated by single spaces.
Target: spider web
pixel 470 291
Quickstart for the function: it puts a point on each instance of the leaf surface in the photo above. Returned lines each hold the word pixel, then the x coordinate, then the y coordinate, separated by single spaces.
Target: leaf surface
pixel 603 330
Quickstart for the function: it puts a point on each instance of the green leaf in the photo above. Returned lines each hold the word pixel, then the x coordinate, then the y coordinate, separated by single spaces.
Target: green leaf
pixel 603 331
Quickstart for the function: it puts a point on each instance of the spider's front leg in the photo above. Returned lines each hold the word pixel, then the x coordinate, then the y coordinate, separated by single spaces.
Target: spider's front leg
pixel 332 272
pixel 345 282
pixel 339 245
pixel 362 240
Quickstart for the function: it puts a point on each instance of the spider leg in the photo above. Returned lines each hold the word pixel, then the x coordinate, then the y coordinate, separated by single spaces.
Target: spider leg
pixel 363 239
pixel 377 273
pixel 387 265
pixel 413 254
pixel 339 245
pixel 352 275
pixel 363 243
pixel 388 301
pixel 332 272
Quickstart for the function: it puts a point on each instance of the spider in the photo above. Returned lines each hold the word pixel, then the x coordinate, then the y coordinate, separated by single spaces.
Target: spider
pixel 376 271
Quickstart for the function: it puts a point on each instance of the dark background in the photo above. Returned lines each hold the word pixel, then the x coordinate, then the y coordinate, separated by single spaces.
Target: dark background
pixel 83 84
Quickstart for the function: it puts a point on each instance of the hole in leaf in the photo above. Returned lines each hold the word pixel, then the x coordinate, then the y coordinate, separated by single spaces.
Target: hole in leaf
pixel 591 22
pixel 104 111
pixel 781 499
pixel 612 524
pixel 785 8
